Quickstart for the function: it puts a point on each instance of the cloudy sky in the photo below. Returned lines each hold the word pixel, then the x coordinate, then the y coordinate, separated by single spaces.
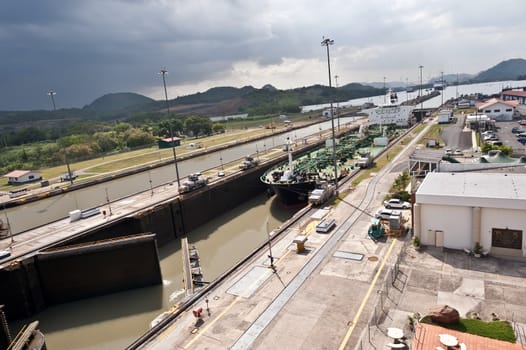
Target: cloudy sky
pixel 85 49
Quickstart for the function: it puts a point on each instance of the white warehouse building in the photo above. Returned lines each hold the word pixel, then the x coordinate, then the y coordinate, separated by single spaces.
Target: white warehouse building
pixel 457 210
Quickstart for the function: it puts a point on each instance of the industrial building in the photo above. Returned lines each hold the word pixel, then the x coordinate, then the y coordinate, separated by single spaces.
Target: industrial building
pixel 458 210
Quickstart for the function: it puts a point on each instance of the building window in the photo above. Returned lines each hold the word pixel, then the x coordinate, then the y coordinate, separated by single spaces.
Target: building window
pixel 509 110
pixel 506 238
pixel 496 110
pixel 487 111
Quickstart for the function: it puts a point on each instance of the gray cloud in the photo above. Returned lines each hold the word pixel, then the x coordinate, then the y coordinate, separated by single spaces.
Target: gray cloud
pixel 84 49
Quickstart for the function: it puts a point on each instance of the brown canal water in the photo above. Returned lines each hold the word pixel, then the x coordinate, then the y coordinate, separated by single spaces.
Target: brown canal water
pixel 115 321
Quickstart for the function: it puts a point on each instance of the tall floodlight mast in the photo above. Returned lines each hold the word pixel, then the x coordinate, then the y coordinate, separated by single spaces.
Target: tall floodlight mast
pixel 328 42
pixel 163 72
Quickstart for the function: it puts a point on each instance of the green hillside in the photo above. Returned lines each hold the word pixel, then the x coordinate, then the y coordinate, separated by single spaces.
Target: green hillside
pixel 512 69
pixel 116 102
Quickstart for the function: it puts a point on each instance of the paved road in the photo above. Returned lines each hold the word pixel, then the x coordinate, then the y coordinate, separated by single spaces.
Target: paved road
pixel 318 299
pixel 456 137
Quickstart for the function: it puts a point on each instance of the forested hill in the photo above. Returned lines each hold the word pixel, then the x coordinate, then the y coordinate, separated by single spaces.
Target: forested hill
pixel 213 102
pixel 513 69
pixel 117 102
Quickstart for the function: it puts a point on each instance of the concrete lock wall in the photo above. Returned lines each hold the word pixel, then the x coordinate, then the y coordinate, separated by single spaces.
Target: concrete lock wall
pixel 83 271
pixel 20 291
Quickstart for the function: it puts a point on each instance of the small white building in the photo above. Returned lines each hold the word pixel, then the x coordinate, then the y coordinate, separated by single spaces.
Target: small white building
pixel 497 109
pixel 391 114
pixel 17 177
pixel 457 210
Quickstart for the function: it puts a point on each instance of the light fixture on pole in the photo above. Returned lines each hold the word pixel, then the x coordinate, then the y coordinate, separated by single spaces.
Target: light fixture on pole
pixel 52 94
pixel 328 42
pixel 163 72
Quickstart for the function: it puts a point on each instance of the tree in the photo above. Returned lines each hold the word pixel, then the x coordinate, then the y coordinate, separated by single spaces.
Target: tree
pixel 198 125
pixel 106 141
pixel 164 127
pixel 218 128
pixel 122 127
pixel 137 138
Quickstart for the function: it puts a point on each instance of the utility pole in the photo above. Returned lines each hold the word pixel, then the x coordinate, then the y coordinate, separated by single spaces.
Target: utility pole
pixel 328 42
pixel 163 72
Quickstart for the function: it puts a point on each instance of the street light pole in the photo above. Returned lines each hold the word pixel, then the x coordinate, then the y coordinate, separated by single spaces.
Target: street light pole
pixel 327 42
pixel 52 94
pixel 337 103
pixel 385 93
pixel 443 89
pixel 421 97
pixel 163 72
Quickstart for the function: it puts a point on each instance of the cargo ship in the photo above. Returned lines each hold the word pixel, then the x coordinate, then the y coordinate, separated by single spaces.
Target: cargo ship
pixel 292 180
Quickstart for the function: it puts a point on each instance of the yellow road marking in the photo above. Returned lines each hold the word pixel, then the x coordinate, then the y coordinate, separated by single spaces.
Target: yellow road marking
pixel 366 297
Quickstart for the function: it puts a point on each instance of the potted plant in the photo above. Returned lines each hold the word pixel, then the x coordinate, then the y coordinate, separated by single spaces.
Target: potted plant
pixel 477 250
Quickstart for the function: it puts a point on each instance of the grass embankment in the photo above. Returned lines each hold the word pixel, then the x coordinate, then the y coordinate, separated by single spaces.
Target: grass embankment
pixel 236 130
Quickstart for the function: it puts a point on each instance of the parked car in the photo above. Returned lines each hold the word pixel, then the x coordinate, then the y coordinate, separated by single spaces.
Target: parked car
pixel 522 122
pixel 458 153
pixel 522 140
pixel 517 130
pixel 449 151
pixel 396 203
pixel 491 137
pixel 4 254
pixel 387 213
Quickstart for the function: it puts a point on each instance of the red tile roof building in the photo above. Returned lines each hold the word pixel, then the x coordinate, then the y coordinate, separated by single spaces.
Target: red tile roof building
pixel 514 95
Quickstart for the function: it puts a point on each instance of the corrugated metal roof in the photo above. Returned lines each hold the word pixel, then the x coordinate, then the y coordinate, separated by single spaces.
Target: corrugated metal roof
pixel 17 173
